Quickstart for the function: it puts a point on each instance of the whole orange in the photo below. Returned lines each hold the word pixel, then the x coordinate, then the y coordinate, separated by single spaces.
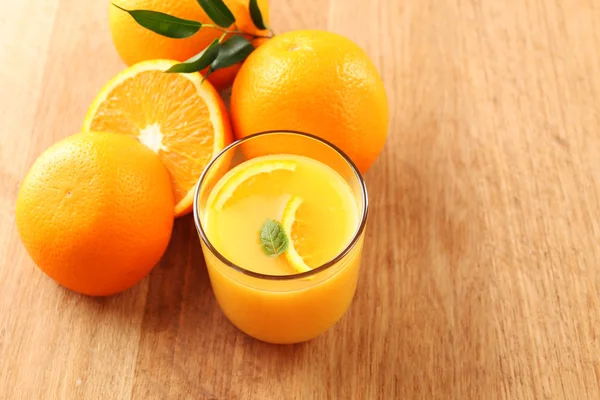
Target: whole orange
pixel 135 43
pixel 316 82
pixel 95 212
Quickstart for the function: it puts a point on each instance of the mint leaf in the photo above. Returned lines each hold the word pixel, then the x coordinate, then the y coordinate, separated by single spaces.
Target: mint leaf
pixel 218 12
pixel 164 24
pixel 256 15
pixel 273 240
pixel 199 61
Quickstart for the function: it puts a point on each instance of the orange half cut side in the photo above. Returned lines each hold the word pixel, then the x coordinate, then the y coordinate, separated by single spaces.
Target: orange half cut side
pixel 179 117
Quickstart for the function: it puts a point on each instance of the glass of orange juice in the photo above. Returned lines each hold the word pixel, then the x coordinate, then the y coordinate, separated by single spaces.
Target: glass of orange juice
pixel 281 217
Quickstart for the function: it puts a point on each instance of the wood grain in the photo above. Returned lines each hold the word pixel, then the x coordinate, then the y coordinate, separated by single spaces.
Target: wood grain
pixel 480 275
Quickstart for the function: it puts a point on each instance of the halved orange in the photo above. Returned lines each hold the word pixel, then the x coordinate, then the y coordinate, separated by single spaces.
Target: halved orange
pixel 179 117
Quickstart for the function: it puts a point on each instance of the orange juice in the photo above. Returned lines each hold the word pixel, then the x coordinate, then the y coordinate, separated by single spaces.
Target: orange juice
pixel 282 245
pixel 258 190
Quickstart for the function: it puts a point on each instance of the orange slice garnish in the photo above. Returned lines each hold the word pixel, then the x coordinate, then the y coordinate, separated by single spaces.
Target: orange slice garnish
pixel 296 230
pixel 225 189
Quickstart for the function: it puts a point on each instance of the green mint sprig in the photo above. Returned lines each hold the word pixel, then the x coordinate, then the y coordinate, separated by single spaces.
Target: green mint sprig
pixel 273 240
pixel 222 52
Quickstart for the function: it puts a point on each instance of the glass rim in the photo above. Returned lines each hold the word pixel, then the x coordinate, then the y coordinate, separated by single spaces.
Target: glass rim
pixel 355 238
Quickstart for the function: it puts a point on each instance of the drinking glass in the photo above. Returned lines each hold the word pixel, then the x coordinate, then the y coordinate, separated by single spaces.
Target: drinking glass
pixel 283 308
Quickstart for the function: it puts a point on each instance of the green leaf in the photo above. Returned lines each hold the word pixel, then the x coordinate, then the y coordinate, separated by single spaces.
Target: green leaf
pixel 199 61
pixel 256 15
pixel 236 49
pixel 273 239
pixel 218 12
pixel 164 24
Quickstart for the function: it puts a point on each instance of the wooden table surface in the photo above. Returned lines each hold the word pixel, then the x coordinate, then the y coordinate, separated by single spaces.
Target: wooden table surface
pixel 480 276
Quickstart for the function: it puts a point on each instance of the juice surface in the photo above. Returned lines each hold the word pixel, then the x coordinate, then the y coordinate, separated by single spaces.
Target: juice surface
pixel 259 189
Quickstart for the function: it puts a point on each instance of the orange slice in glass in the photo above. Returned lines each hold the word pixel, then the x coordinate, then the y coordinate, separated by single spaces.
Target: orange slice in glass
pixel 225 189
pixel 297 231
